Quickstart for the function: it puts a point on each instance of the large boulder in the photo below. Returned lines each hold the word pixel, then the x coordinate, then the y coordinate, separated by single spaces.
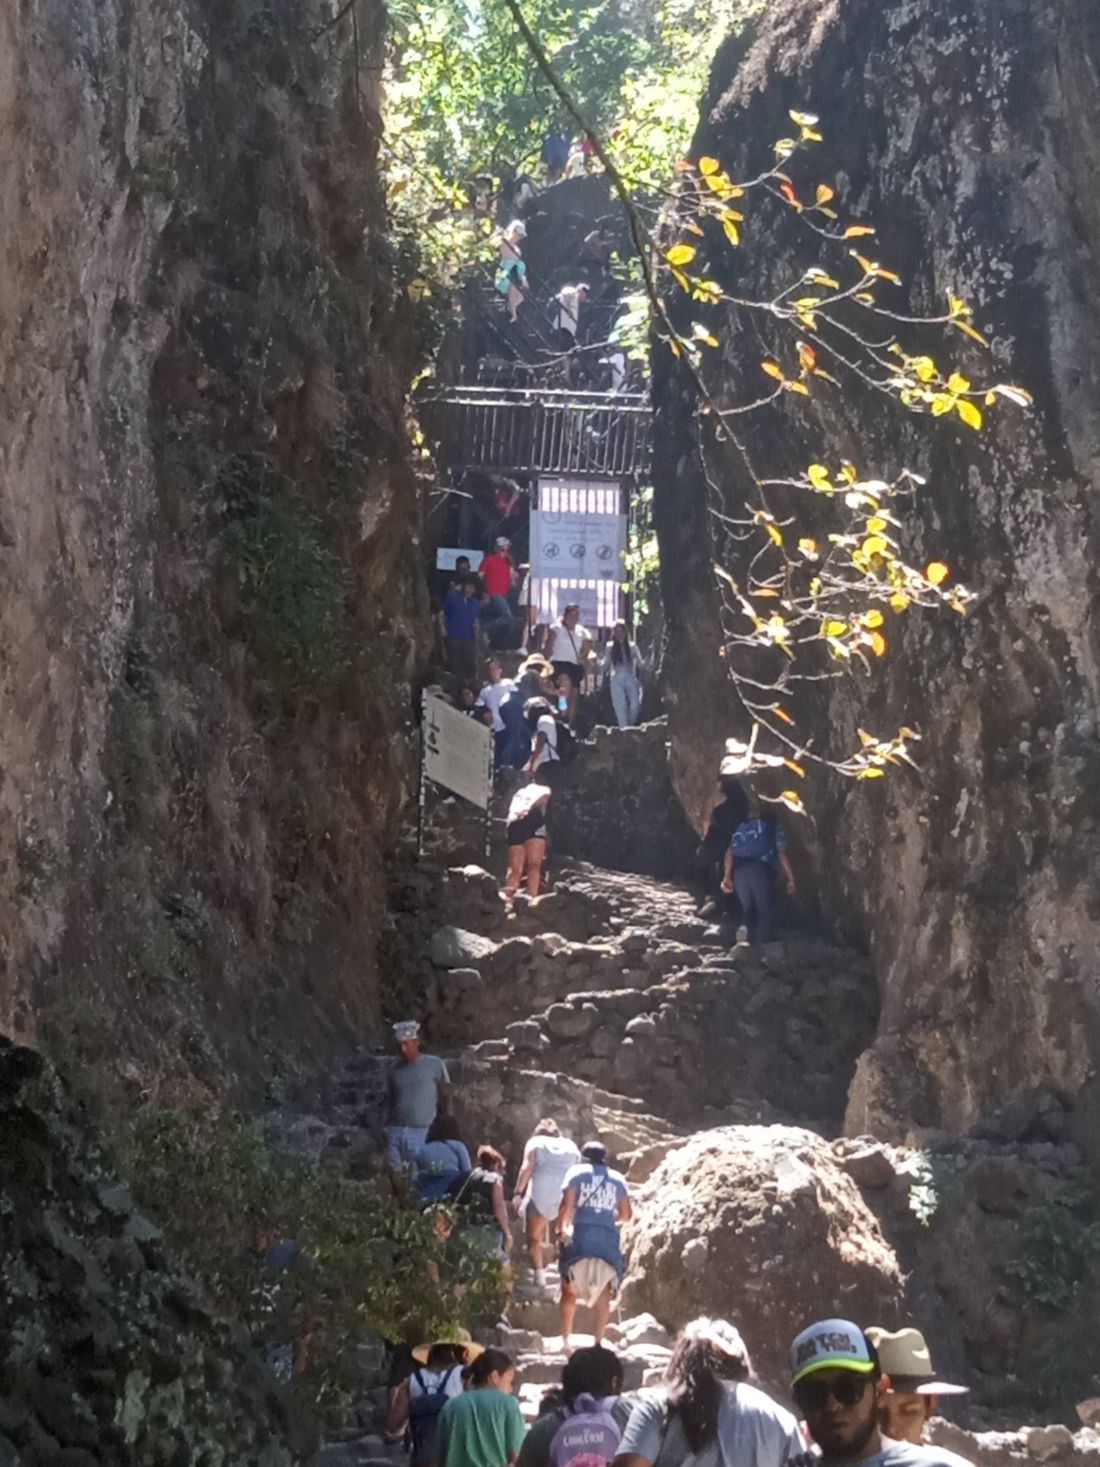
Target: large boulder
pixel 788 1239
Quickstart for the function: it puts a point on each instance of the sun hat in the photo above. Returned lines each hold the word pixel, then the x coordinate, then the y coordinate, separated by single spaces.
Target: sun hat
pixel 463 1338
pixel 406 1029
pixel 503 540
pixel 831 1344
pixel 904 1356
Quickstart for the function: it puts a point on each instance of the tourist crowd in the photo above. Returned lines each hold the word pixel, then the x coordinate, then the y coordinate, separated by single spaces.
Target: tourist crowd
pixel 862 1395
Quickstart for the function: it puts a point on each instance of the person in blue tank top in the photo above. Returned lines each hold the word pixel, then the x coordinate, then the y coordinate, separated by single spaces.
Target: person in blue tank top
pixel 757 847
pixel 595 1200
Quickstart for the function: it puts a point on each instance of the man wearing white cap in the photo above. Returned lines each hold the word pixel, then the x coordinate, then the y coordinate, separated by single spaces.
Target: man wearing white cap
pixel 910 1402
pixel 417 1088
pixel 838 1385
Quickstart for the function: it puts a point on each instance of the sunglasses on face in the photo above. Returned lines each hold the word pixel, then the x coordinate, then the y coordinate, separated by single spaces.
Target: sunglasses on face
pixel 813 1394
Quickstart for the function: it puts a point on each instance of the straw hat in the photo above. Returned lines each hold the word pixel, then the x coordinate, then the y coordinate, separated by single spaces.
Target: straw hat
pixel 904 1356
pixel 463 1338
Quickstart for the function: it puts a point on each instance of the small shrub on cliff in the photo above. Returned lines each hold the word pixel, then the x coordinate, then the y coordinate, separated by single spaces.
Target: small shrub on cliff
pixel 294 587
pixel 1059 1246
pixel 365 1267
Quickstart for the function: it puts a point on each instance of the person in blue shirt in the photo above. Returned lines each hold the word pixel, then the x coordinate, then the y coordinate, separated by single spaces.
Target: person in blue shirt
pixel 757 847
pixel 441 1159
pixel 461 609
pixel 595 1200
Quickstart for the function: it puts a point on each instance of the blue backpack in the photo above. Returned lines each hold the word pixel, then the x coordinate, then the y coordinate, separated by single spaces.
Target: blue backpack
pixel 754 840
pixel 424 1416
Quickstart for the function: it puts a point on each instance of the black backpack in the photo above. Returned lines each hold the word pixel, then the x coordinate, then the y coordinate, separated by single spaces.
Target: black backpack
pixel 424 1416
pixel 567 741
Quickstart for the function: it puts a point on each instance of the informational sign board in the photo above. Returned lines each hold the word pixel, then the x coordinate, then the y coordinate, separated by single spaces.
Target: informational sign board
pixel 445 558
pixel 554 598
pixel 573 542
pixel 458 751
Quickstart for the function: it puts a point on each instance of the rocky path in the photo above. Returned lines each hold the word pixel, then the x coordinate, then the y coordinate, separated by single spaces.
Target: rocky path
pixel 718 1078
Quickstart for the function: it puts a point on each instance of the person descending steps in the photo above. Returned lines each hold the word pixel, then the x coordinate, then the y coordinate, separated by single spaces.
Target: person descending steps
pixel 595 1200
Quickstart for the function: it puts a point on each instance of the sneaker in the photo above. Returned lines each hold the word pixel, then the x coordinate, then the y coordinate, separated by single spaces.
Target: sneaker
pixel 538 1278
pixel 742 937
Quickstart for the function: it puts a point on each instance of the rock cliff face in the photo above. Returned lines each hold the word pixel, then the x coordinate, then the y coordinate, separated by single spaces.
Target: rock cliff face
pixel 106 1354
pixel 208 594
pixel 964 134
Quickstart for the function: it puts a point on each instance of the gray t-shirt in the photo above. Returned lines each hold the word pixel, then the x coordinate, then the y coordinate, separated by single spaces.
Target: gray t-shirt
pixel 908 1454
pixel 413 1091
pixel 752 1432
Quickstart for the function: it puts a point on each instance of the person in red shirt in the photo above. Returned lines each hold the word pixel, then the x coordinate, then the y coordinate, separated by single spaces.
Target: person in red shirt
pixel 497 571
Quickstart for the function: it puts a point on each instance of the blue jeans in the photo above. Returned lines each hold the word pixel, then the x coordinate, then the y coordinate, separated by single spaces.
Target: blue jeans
pixel 754 883
pixel 626 698
pixel 402 1144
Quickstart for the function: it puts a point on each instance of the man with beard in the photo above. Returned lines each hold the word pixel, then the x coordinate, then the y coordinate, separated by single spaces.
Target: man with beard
pixel 837 1384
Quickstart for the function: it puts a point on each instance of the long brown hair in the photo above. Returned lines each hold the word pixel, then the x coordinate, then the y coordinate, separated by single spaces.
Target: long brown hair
pixel 622 651
pixel 707 1353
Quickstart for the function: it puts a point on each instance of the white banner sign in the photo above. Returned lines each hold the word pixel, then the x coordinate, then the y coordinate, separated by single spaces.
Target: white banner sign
pixel 568 543
pixel 446 556
pixel 458 751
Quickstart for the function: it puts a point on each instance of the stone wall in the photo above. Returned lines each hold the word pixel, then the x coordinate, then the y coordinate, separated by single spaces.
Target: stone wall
pixel 964 134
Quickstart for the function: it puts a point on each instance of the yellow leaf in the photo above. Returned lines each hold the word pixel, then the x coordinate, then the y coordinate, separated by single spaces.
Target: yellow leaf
pixel 899 601
pixel 864 263
pixel 848 472
pixel 774 534
pixel 824 193
pixel 857 231
pixel 873 545
pixel 681 254
pixel 681 280
pixel 869 773
pixel 833 628
pixel 792 801
pixel 977 336
pixel 936 573
pixel 865 738
pixel 941 403
pixel 875 526
pixel 799 387
pixel 707 166
pixel 878 643
pixel 971 415
pixel 804 119
pixel 818 277
pixel 811 135
pixel 731 231
pixel 808 548
pixel 865 298
pixel 923 368
pixel 773 369
pixel 818 476
pixel 674 348
pixel 765 591
pixel 956 383
pixel 958 307
pixel 872 619
pixel 795 768
pixel 707 339
pixel 783 715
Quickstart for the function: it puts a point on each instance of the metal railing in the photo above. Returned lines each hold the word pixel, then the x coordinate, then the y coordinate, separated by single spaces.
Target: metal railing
pixel 599 435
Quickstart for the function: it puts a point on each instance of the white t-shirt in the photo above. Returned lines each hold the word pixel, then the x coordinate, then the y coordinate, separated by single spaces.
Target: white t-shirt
pixel 752 1432
pixel 548 754
pixel 492 696
pixel 524 800
pixel 567 316
pixel 567 644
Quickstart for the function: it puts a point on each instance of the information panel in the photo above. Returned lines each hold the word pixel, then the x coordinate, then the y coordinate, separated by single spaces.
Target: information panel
pixel 572 540
pixel 458 751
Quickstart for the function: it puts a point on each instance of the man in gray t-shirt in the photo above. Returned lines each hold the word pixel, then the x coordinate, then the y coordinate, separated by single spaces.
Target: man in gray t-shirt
pixel 417 1088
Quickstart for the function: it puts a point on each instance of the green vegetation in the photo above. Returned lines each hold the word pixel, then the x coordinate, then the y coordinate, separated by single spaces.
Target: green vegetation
pixel 1059 1246
pixel 465 99
pixel 367 1267
pixel 293 586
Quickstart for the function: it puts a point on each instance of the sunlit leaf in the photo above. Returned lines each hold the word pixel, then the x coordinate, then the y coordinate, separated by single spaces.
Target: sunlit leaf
pixel 773 369
pixel 872 619
pixel 869 773
pixel 878 644
pixel 707 166
pixel 795 768
pixel 804 119
pixel 818 476
pixel 969 330
pixel 793 801
pixel 833 628
pixel 825 193
pixel 731 231
pixel 857 231
pixel 799 387
pixel 783 715
pixel 971 415
pixel 775 535
pixel 808 548
pixel 681 254
pixel 873 545
pixel 1014 394
pixel 957 383
pixel 936 573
